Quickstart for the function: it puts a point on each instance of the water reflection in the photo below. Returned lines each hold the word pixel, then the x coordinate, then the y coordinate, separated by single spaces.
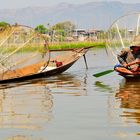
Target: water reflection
pixel 67 84
pixel 103 87
pixel 25 106
pixel 129 96
pixel 20 137
pixel 29 105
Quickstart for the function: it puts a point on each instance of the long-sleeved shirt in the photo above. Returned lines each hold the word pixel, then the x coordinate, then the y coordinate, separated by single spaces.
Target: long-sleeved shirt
pixel 127 56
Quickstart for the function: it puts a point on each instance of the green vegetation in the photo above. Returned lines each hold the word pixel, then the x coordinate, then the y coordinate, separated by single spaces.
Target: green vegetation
pixel 4 24
pixel 61 28
pixel 118 43
pixel 60 46
pixel 22 50
pixel 59 37
pixel 41 29
pixel 72 45
pixel 65 26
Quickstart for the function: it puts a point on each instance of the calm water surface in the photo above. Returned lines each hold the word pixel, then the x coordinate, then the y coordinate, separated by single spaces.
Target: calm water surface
pixel 72 106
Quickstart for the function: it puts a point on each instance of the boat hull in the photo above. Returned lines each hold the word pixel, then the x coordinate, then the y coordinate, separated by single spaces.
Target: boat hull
pixel 127 73
pixel 46 73
pixel 40 75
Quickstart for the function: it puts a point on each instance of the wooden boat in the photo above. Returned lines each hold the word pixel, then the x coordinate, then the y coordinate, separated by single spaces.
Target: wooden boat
pixel 117 42
pixel 40 69
pixel 25 54
pixel 127 73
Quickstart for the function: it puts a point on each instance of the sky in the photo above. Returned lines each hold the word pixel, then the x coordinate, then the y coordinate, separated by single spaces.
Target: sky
pixel 10 4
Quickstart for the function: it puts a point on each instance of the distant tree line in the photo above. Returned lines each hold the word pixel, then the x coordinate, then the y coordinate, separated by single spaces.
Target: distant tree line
pixel 60 27
pixel 57 32
pixel 4 25
pixel 66 25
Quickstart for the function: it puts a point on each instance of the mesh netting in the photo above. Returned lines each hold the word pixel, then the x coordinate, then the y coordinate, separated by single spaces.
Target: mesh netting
pixel 21 47
pixel 122 33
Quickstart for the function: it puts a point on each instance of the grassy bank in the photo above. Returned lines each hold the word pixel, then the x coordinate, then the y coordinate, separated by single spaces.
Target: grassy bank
pixel 52 46
pixel 73 45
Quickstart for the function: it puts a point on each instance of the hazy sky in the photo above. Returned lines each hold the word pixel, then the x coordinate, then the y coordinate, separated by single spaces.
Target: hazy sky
pixel 25 3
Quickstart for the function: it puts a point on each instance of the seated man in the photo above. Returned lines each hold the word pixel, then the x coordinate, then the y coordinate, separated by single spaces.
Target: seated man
pixel 130 57
pixel 135 65
pixel 123 56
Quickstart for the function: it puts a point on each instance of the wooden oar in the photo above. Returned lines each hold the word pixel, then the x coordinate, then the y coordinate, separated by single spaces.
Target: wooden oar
pixel 102 73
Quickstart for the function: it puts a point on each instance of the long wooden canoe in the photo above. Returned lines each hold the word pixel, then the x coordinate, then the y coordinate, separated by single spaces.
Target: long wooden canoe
pixel 41 70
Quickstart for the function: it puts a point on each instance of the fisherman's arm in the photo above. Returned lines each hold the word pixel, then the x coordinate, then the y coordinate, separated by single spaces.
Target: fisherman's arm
pixel 132 63
pixel 121 60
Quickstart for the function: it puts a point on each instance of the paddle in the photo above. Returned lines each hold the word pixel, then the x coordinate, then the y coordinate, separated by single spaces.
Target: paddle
pixel 102 73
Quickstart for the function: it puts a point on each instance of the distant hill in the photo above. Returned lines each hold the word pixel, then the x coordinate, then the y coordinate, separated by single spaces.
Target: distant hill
pixel 97 15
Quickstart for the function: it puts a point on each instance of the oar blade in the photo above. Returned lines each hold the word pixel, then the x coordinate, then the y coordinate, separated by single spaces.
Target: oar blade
pixel 102 73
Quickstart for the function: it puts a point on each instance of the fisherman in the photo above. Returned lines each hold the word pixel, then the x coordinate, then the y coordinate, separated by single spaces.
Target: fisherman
pixel 130 57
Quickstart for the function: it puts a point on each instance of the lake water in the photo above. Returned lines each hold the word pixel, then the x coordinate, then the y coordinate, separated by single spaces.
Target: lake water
pixel 72 106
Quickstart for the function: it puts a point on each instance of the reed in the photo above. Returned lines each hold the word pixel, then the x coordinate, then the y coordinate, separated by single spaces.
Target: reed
pixel 73 45
pixel 52 46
